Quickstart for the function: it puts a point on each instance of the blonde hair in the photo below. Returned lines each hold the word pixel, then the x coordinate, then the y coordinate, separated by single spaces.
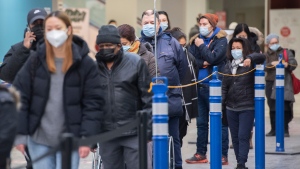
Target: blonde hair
pixel 68 60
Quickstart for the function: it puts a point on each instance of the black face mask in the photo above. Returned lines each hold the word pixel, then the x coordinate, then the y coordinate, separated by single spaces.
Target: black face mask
pixel 38 31
pixel 106 55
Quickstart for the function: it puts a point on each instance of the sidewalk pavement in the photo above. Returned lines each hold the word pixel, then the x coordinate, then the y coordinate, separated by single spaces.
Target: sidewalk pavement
pixel 292 144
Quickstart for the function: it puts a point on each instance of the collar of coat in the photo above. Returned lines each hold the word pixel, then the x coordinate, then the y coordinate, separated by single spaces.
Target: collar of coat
pixel 220 34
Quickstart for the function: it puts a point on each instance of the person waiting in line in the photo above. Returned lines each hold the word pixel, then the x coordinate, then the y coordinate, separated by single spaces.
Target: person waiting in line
pixel 272 59
pixel 195 29
pixel 190 98
pixel 131 44
pixel 125 81
pixel 19 52
pixel 238 94
pixel 112 22
pixel 172 63
pixel 164 20
pixel 209 49
pixel 9 104
pixel 242 31
pixel 60 87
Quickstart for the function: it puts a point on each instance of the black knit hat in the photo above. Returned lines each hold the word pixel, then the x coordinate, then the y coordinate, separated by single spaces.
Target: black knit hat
pixel 108 34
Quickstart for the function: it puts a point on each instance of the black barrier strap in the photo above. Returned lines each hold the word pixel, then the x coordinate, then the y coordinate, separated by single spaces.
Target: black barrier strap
pixel 101 138
pixel 29 164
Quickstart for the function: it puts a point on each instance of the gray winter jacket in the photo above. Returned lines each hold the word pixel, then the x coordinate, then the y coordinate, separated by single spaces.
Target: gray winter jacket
pixel 271 72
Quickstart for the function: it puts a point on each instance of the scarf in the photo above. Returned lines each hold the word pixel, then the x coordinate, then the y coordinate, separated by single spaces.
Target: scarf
pixel 235 65
pixel 134 48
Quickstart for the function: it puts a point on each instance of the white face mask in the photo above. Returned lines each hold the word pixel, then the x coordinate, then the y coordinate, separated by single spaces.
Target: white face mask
pixel 57 37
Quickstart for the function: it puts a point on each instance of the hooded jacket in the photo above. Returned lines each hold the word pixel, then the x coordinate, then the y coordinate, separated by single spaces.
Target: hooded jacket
pixel 125 90
pixel 214 53
pixel 82 99
pixel 172 63
pixel 148 58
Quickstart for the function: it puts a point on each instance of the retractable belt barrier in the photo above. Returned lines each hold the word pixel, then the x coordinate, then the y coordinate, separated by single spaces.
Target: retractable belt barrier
pixel 100 138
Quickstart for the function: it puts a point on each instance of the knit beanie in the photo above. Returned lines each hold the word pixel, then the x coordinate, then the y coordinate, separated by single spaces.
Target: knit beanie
pixel 212 18
pixel 271 36
pixel 108 34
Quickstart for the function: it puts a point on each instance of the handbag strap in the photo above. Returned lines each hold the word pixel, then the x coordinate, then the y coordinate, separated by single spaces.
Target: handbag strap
pixel 286 58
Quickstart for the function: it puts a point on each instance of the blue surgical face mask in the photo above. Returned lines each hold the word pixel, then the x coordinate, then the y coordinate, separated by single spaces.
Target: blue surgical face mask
pixel 149 30
pixel 126 48
pixel 204 31
pixel 164 25
pixel 274 47
pixel 237 53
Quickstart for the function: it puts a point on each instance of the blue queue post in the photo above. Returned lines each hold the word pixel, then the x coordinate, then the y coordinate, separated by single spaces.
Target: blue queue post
pixel 280 106
pixel 160 124
pixel 215 108
pixel 259 87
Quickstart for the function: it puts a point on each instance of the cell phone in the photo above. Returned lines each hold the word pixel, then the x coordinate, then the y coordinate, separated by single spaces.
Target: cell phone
pixel 28 30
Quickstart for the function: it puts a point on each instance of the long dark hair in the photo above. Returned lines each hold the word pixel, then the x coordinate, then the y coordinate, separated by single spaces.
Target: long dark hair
pixel 165 13
pixel 245 44
pixel 240 28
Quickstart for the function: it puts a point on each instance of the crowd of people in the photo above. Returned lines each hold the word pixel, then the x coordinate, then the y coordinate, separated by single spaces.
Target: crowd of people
pixel 64 90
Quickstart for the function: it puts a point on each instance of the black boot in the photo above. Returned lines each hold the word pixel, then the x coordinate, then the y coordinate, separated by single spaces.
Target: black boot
pixel 272 121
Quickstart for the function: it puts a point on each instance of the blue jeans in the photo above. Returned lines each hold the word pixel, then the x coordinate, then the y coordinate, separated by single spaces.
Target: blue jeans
pixel 202 120
pixel 202 124
pixel 225 140
pixel 240 124
pixel 174 132
pixel 50 162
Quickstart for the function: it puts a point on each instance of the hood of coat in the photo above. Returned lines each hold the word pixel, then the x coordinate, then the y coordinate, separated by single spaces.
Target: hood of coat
pixel 219 35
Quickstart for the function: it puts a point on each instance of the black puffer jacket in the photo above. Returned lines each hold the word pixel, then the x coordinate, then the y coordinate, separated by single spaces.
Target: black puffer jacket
pixel 238 91
pixel 13 61
pixel 8 124
pixel 125 89
pixel 81 92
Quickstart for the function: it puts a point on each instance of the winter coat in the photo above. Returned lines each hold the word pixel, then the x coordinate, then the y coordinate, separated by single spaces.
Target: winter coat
pixel 271 72
pixel 238 91
pixel 8 122
pixel 190 94
pixel 214 54
pixel 82 98
pixel 148 58
pixel 172 63
pixel 13 61
pixel 125 90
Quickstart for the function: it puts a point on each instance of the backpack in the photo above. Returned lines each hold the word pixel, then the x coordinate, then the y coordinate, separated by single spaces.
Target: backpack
pixel 295 80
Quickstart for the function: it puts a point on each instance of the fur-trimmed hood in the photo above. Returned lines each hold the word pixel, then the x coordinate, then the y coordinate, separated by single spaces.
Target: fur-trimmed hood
pixel 219 35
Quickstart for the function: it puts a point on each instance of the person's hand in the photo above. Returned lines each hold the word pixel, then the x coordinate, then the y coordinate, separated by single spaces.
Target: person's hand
pixel 93 150
pixel 84 151
pixel 205 63
pixel 285 64
pixel 29 36
pixel 198 42
pixel 247 63
pixel 274 63
pixel 21 148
